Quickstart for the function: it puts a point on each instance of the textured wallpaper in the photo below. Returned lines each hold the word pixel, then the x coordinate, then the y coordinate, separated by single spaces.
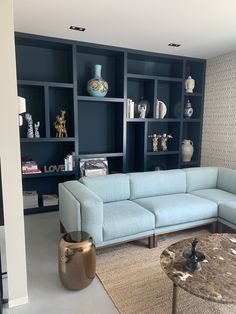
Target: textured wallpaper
pixel 219 122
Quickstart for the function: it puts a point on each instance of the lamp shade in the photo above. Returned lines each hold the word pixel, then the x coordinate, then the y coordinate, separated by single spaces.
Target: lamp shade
pixel 21 105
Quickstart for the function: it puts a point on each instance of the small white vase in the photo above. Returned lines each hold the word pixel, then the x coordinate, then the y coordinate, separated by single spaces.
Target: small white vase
pixel 189 84
pixel 187 150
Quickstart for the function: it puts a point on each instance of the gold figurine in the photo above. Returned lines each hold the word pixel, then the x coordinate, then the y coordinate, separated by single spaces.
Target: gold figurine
pixel 60 125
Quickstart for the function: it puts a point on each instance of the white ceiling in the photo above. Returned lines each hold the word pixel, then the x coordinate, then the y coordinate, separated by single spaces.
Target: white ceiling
pixel 203 28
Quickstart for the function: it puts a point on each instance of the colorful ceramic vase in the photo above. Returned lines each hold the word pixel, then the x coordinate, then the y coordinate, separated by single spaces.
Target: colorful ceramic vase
pixel 97 86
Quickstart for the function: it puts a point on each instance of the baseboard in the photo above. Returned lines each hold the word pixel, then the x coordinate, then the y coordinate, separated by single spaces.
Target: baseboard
pixel 17 302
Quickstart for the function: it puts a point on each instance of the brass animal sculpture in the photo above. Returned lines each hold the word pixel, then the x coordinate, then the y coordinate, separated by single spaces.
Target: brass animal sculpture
pixel 60 125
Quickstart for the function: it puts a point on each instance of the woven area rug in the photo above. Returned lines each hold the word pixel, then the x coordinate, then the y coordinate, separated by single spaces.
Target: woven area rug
pixel 133 278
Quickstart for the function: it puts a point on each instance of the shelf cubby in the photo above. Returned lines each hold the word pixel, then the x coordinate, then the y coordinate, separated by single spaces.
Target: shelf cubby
pixel 46 153
pixel 39 60
pixel 112 62
pixel 170 92
pixel 191 132
pixel 172 128
pixel 196 69
pixel 61 99
pixel 135 146
pixel 100 127
pixel 163 162
pixel 154 65
pixel 138 89
pixel 35 98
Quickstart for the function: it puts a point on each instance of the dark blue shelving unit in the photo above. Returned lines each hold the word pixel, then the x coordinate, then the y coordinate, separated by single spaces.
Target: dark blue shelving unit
pixel 52 76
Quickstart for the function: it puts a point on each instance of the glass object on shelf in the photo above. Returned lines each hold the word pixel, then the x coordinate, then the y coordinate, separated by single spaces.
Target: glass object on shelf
pixel 160 110
pixel 97 86
pixel 189 84
pixel 188 110
pixel 187 150
pixel 60 125
pixel 142 108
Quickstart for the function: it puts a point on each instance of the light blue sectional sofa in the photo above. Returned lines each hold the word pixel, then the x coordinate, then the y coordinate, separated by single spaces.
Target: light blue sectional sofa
pixel 124 207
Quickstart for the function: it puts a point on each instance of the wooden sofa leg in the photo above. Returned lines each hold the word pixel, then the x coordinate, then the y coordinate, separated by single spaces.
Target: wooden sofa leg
pixel 155 238
pixel 220 227
pixel 62 228
pixel 150 242
pixel 214 227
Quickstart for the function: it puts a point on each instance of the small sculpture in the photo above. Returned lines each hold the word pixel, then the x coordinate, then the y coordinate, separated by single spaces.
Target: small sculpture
pixel 155 137
pixel 194 258
pixel 30 131
pixel 60 125
pixel 142 112
pixel 36 129
pixel 164 138
pixel 189 85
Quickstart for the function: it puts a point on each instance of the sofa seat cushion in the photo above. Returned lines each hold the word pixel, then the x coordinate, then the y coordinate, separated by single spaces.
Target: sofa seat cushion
pixel 125 218
pixel 215 195
pixel 178 208
pixel 227 211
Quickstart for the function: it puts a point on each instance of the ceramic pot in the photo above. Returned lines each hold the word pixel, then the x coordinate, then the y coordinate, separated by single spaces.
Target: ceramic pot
pixel 187 150
pixel 189 84
pixel 188 110
pixel 97 86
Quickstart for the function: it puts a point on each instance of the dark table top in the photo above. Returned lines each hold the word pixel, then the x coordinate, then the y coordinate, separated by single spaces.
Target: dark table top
pixel 216 280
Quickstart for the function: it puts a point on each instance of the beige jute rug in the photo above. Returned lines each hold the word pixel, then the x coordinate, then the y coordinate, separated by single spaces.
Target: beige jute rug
pixel 133 278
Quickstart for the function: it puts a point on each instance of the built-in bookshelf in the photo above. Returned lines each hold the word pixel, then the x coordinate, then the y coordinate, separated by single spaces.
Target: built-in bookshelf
pixel 52 76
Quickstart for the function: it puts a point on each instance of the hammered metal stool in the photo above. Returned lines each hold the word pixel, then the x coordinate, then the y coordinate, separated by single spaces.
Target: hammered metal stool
pixel 77 260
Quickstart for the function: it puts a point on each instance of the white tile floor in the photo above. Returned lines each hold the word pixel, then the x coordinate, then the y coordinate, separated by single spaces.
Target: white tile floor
pixel 46 294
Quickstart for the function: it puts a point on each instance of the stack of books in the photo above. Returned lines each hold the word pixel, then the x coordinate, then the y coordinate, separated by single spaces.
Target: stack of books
pixel 50 199
pixel 69 162
pixel 30 199
pixel 30 167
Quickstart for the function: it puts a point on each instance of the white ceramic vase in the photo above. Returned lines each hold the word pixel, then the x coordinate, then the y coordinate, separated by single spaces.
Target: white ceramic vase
pixel 189 84
pixel 187 150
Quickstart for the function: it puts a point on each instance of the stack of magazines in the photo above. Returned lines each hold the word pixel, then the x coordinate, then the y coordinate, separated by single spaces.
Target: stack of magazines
pixel 50 199
pixel 30 199
pixel 30 167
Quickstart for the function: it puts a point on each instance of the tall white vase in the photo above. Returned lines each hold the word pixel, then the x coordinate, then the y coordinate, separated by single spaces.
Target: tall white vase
pixel 187 150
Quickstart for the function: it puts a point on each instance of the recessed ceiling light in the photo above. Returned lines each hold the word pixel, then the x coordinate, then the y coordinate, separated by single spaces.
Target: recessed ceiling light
pixel 77 28
pixel 174 45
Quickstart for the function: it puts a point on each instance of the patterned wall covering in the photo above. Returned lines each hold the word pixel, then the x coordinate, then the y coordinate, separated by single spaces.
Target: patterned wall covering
pixel 219 123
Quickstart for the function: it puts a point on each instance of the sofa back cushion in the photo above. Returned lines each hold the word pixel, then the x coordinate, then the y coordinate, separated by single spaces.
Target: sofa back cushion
pixel 154 183
pixel 111 188
pixel 201 178
pixel 227 180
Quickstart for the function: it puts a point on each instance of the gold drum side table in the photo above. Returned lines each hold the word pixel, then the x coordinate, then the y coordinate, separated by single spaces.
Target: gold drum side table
pixel 77 260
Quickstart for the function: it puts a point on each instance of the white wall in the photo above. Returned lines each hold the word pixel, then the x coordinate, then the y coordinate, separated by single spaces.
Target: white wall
pixel 10 161
pixel 219 123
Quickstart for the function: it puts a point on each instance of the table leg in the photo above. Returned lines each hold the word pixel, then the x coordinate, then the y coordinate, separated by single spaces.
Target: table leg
pixel 174 300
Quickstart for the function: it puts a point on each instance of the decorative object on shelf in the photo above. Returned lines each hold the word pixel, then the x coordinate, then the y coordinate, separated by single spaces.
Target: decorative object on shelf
pixel 69 162
pixel 189 84
pixel 53 168
pixel 193 257
pixel 21 108
pixel 30 167
pixel 60 125
pixel 160 110
pixel 164 138
pixel 130 108
pixel 155 137
pixel 142 108
pixel 30 131
pixel 50 199
pixel 187 150
pixel 30 199
pixel 188 110
pixel 93 167
pixel 36 129
pixel 97 86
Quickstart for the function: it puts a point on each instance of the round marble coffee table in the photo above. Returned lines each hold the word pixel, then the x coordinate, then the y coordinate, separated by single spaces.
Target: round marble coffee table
pixel 216 281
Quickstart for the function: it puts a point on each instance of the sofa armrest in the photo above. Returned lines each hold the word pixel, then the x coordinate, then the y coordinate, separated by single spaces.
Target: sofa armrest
pixel 85 206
